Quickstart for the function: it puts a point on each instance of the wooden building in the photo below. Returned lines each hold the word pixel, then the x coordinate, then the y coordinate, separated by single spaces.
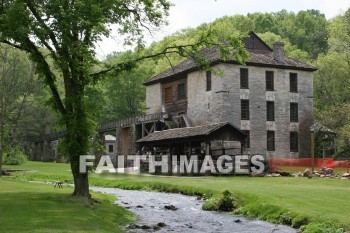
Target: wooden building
pixel 215 140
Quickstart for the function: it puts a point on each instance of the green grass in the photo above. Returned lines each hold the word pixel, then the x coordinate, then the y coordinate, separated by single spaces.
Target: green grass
pixel 317 199
pixel 36 207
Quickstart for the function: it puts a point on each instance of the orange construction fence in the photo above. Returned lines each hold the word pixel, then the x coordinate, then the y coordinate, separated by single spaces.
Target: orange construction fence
pixel 307 162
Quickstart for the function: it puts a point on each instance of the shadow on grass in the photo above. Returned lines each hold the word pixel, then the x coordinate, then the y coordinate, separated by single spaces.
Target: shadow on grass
pixel 58 212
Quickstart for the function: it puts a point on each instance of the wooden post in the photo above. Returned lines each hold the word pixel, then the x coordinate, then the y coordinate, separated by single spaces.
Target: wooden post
pixel 170 160
pixel 207 149
pixel 117 137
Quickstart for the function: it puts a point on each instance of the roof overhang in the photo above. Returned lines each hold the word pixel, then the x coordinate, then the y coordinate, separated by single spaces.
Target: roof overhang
pixel 179 135
pixel 181 74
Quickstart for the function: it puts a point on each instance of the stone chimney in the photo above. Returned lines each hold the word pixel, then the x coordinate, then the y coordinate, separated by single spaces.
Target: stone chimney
pixel 278 52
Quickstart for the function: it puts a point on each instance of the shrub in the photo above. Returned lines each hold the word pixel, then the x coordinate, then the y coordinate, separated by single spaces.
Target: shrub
pixel 225 202
pixel 14 156
pixel 300 221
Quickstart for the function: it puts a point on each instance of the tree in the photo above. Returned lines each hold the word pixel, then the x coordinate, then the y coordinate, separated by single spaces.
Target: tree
pixel 263 22
pixel 306 29
pixel 332 83
pixel 17 84
pixel 126 93
pixel 65 31
pixel 290 50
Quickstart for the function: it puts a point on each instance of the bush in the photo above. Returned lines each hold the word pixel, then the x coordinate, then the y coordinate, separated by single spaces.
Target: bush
pixel 300 221
pixel 14 156
pixel 225 202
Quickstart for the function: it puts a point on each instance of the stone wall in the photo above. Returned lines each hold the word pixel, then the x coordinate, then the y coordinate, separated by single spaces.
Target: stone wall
pixel 222 103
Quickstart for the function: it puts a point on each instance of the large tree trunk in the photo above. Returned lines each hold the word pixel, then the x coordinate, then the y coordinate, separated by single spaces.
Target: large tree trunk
pixel 81 183
pixel 77 138
pixel 77 146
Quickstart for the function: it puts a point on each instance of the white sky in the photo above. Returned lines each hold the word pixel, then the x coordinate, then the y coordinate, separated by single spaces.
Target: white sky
pixel 192 13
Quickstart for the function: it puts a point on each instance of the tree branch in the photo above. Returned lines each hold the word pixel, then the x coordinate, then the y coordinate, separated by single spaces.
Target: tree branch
pixel 180 50
pixel 50 77
pixel 13 45
pixel 43 24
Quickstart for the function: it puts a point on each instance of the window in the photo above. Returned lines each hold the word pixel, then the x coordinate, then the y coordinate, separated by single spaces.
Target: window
pixel 209 80
pixel 270 110
pixel 245 109
pixel 244 78
pixel 270 141
pixel 294 141
pixel 293 112
pixel 168 95
pixel 181 91
pixel 293 82
pixel 247 139
pixel 269 81
pixel 110 148
pixel 251 42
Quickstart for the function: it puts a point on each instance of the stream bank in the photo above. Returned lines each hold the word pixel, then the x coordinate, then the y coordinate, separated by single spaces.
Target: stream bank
pixel 167 212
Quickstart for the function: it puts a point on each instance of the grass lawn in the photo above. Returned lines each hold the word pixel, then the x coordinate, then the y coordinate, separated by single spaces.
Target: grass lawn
pixel 315 198
pixel 32 207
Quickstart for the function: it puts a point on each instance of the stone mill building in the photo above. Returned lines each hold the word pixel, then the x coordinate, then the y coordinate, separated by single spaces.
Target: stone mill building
pixel 269 98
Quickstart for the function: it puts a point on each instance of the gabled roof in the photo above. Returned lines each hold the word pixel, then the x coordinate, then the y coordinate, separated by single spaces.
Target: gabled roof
pixel 264 58
pixel 188 132
pixel 252 37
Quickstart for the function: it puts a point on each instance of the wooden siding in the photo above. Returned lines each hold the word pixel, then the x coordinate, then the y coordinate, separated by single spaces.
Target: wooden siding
pixel 170 99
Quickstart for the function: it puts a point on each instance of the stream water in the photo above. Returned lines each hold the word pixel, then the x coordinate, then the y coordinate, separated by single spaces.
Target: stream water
pixel 152 214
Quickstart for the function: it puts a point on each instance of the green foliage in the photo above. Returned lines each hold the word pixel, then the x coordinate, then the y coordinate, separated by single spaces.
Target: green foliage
pixel 14 156
pixel 125 93
pixel 272 213
pixel 291 50
pixel 322 227
pixel 307 29
pixel 330 80
pixel 332 85
pixel 17 87
pixel 337 118
pixel 226 201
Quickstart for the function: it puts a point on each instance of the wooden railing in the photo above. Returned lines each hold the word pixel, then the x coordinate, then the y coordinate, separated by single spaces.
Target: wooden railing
pixel 108 126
